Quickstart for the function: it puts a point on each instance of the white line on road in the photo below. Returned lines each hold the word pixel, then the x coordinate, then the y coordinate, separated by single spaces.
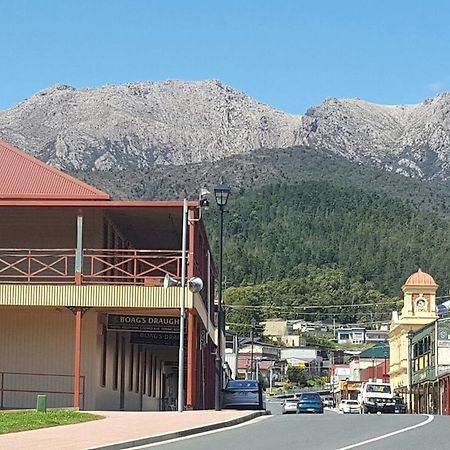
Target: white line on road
pixel 384 436
pixel 204 433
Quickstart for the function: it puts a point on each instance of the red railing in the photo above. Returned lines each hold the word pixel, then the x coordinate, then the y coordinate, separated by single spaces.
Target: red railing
pixel 129 266
pixel 100 266
pixel 37 266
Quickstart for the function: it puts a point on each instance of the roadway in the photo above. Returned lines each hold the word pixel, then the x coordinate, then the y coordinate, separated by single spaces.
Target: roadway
pixel 330 431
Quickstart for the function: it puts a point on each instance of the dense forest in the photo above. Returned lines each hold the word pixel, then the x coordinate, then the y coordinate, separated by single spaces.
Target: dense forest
pixel 320 243
pixel 271 231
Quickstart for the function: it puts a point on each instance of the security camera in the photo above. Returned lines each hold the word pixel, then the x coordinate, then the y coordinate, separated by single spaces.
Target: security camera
pixel 203 201
pixel 204 193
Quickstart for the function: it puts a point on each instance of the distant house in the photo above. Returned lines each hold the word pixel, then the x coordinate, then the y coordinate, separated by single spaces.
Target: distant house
pixel 275 329
pixel 377 335
pixel 351 335
pixel 372 363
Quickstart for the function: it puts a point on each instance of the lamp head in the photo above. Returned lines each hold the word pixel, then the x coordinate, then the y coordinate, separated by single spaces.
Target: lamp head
pixel 222 193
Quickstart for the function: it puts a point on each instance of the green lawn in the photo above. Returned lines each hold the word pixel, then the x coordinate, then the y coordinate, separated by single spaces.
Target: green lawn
pixel 11 422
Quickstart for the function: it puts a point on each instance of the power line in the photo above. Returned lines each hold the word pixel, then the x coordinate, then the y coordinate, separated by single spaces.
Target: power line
pixel 357 305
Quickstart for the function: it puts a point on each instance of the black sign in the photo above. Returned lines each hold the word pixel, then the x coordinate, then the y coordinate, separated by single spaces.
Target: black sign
pixel 160 324
pixel 146 338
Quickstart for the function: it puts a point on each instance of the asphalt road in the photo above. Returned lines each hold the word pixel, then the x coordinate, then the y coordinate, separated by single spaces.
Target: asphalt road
pixel 330 431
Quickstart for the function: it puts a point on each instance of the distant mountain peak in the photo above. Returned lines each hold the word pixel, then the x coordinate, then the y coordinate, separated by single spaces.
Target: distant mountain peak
pixel 142 124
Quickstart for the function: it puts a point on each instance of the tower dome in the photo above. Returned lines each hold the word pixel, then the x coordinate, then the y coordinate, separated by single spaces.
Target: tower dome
pixel 420 278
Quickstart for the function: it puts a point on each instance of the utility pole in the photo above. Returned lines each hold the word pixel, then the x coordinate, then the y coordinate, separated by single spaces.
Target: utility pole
pixel 251 338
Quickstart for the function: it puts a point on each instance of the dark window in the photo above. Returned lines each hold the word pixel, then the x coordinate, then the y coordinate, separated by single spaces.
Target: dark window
pixel 104 349
pixel 116 363
pixel 310 397
pixel 235 384
pixel 131 369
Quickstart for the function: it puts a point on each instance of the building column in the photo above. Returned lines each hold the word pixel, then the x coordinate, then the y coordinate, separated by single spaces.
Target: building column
pixel 79 251
pixel 78 312
pixel 192 357
pixel 77 360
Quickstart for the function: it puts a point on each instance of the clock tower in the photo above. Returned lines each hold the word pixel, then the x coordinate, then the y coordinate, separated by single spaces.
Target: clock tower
pixel 419 301
pixel 419 309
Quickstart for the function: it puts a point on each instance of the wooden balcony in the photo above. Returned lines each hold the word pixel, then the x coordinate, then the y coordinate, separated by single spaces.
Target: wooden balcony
pixel 99 266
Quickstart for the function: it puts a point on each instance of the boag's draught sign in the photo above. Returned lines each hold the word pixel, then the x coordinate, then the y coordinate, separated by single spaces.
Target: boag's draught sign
pixel 129 322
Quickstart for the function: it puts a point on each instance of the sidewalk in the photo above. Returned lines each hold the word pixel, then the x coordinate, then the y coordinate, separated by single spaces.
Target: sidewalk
pixel 124 430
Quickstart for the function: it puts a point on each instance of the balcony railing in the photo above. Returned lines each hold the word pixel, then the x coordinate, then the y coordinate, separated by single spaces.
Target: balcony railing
pixel 99 266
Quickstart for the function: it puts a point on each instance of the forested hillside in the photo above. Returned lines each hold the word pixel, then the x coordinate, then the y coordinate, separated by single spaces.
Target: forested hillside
pixel 271 231
pixel 310 293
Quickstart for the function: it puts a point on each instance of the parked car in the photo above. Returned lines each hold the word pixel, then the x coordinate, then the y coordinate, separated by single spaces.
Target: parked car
pixel 243 394
pixel 289 405
pixel 400 406
pixel 349 407
pixel 327 400
pixel 309 402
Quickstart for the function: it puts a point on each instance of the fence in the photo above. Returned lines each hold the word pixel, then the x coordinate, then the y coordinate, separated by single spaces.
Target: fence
pixel 18 390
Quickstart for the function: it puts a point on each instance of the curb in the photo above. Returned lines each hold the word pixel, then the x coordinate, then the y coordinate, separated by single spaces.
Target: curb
pixel 180 433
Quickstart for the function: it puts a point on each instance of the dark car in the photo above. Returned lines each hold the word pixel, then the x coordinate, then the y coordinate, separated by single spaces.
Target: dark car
pixel 243 394
pixel 400 406
pixel 310 402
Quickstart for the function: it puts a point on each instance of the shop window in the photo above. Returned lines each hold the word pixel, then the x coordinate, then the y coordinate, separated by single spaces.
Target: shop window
pixel 115 380
pixel 138 368
pixel 104 353
pixel 150 373
pixel 131 369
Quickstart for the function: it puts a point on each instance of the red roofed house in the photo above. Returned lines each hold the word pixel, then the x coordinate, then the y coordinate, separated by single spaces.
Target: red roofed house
pixel 84 317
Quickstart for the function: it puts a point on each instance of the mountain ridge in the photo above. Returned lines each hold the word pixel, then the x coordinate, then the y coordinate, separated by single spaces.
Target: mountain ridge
pixel 147 124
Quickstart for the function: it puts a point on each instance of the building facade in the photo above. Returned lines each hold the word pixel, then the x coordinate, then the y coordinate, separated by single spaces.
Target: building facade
pixel 419 310
pixel 84 316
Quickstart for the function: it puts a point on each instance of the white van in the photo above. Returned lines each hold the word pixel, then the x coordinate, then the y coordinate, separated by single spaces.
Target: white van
pixel 376 397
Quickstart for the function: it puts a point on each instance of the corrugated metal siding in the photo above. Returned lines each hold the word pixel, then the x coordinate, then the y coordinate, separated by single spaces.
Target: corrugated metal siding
pixel 92 296
pixel 41 341
pixel 25 177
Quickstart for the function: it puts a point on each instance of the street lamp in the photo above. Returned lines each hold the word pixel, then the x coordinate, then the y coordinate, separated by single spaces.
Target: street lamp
pixel 221 193
pixel 410 337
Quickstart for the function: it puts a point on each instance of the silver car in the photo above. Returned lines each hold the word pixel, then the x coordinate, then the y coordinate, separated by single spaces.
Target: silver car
pixel 289 406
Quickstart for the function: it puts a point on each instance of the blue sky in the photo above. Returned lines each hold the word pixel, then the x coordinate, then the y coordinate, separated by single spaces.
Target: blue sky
pixel 289 54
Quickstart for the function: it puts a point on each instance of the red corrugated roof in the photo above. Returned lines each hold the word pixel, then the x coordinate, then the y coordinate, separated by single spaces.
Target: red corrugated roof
pixel 23 177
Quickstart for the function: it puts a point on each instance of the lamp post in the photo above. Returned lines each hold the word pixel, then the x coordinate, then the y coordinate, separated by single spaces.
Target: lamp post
pixel 385 379
pixel 182 302
pixel 410 336
pixel 195 284
pixel 221 193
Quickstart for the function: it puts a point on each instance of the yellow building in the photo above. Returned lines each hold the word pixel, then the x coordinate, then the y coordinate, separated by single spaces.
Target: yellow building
pixel 419 309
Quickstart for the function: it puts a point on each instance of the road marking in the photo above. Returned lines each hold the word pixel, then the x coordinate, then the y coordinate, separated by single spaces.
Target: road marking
pixel 191 436
pixel 393 433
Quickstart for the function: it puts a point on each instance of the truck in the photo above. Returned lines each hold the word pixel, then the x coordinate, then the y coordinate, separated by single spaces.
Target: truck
pixel 375 397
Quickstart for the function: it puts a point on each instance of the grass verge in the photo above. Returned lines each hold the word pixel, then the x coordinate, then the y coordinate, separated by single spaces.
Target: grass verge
pixel 11 422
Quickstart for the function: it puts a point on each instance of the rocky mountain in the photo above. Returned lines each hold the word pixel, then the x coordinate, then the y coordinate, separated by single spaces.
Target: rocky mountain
pixel 142 125
pixel 413 140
